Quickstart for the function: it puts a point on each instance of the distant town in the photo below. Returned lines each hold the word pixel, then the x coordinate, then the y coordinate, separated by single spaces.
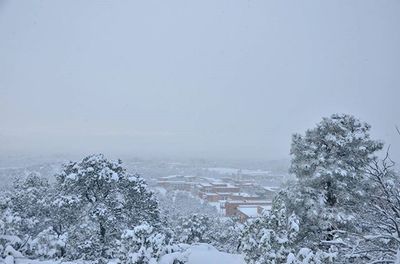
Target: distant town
pixel 237 196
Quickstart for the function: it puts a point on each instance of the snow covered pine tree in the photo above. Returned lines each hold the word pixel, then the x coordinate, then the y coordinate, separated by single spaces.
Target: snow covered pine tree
pixel 110 201
pixel 271 237
pixel 329 164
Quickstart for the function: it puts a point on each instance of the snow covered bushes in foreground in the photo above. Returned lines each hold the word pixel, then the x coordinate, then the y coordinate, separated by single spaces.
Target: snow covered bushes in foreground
pixel 271 238
pixel 199 228
pixel 143 244
pixel 110 201
pixel 84 215
pixel 195 221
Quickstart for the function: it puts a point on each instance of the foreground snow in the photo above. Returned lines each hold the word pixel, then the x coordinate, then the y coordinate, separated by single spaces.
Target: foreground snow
pixel 203 254
pixel 195 254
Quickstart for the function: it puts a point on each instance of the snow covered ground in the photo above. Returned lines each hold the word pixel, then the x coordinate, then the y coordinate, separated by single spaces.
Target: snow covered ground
pixel 204 254
pixel 195 254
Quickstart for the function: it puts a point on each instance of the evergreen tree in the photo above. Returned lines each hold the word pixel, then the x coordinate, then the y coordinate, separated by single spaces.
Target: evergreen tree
pixel 29 202
pixel 270 239
pixel 195 228
pixel 108 201
pixel 329 164
pixel 143 244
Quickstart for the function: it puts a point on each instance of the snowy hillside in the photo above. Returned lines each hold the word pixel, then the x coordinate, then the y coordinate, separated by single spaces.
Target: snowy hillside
pixel 195 254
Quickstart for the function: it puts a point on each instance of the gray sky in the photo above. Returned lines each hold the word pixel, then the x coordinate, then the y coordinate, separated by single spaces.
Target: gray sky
pixel 210 78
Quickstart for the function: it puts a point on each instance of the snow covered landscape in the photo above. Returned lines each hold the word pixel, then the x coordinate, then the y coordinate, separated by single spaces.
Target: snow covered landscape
pixel 94 210
pixel 199 132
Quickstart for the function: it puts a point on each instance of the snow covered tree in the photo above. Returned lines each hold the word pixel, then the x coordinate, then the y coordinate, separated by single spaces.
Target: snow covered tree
pixel 177 204
pixel 143 244
pixel 271 237
pixel 307 256
pixel 225 235
pixel 195 228
pixel 380 216
pixel 48 244
pixel 82 216
pixel 329 164
pixel 29 202
pixel 108 199
pixel 10 224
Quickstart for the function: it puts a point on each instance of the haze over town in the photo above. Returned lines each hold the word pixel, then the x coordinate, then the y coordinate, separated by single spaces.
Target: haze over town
pixel 228 80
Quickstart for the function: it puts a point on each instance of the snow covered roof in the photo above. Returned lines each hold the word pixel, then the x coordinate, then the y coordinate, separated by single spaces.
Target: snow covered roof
pixel 205 185
pixel 272 189
pixel 225 186
pixel 266 207
pixel 250 211
pixel 261 202
pixel 243 194
pixel 210 193
pixel 171 176
pixel 173 182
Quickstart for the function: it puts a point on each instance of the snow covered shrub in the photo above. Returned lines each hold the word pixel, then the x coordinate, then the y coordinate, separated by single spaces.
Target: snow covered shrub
pixel 28 205
pixel 270 238
pixel 10 251
pixel 199 228
pixel 195 228
pixel 10 222
pixel 178 204
pixel 307 256
pixel 24 212
pixel 48 244
pixel 143 245
pixel 9 240
pixel 225 235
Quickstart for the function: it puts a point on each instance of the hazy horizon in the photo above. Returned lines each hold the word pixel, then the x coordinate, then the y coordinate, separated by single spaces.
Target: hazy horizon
pixel 209 79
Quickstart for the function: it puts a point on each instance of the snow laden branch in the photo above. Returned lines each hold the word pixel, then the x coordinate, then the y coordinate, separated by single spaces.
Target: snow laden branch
pixel 381 213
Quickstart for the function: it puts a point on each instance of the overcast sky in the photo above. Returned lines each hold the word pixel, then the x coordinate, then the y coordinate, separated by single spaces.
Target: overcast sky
pixel 209 78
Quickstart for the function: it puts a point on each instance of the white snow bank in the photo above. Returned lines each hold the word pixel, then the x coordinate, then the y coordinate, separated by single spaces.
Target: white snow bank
pixel 10 251
pixel 203 253
pixel 35 261
pixel 194 254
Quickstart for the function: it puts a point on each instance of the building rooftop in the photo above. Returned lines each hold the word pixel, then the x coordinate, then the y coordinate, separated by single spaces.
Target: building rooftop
pixel 250 201
pixel 272 189
pixel 250 211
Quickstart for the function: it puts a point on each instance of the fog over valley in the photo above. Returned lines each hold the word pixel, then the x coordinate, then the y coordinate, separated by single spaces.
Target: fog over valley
pixel 218 80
